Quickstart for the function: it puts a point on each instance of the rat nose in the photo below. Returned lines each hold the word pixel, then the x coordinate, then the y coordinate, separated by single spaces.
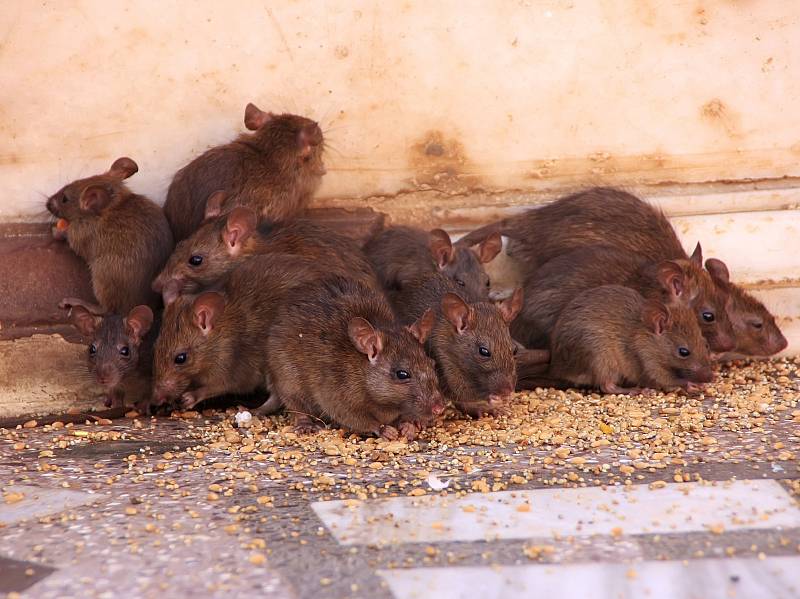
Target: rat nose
pixel 779 344
pixel 704 375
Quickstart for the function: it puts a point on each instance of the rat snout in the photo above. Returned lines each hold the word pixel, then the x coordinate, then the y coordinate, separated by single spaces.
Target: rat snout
pixel 107 375
pixel 723 342
pixel 703 375
pixel 437 406
pixel 778 343
pixel 164 391
pixel 501 393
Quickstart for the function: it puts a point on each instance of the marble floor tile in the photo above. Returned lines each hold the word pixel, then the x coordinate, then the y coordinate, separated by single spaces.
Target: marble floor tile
pixel 36 502
pixel 772 578
pixel 542 513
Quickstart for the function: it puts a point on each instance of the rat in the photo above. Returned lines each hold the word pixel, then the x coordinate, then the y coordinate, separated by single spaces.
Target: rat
pixel 214 343
pixel 470 342
pixel 219 245
pixel 337 354
pixel 613 339
pixel 123 237
pixel 275 171
pixel 609 216
pixel 400 255
pixel 755 329
pixel 120 353
pixel 677 281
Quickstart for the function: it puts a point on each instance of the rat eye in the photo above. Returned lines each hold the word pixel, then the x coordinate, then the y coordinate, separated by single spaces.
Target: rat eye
pixel 484 351
pixel 64 198
pixel 402 375
pixel 708 316
pixel 125 351
pixel 488 282
pixel 756 324
pixel 180 358
pixel 92 349
pixel 683 352
pixel 196 260
pixel 460 282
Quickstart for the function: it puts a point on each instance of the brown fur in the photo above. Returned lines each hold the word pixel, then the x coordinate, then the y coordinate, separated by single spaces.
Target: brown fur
pixel 120 352
pixel 476 384
pixel 616 218
pixel 597 216
pixel 611 338
pixel 275 171
pixel 678 281
pixel 318 371
pixel 123 236
pixel 227 241
pixel 401 255
pixel 756 332
pixel 226 354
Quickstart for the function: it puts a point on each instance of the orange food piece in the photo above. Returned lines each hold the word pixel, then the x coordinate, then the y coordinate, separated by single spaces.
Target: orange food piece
pixel 62 224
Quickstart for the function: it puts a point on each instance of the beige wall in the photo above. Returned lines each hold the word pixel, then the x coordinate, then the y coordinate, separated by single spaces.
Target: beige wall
pixel 519 95
pixel 433 110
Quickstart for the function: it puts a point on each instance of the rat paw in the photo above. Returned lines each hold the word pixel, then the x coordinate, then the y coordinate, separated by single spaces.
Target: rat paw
pixel 304 425
pixel 388 432
pixel 409 430
pixel 188 400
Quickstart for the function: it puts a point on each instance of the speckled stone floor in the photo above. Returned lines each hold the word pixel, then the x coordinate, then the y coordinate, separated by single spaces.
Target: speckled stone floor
pixel 568 494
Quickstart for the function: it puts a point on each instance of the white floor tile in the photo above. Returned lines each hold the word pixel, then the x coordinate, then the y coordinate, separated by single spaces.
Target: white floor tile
pixel 773 578
pixel 40 501
pixel 542 513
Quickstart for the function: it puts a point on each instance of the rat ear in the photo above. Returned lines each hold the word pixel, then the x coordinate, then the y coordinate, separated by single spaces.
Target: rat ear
pixel 214 205
pixel 489 248
pixel 510 307
pixel 441 247
pixel 94 198
pixel 422 327
pixel 307 138
pixel 718 271
pixel 207 307
pixel 697 255
pixel 238 228
pixel 255 118
pixel 671 277
pixel 138 322
pixel 365 338
pixel 170 291
pixel 83 319
pixel 123 168
pixel 656 316
pixel 458 312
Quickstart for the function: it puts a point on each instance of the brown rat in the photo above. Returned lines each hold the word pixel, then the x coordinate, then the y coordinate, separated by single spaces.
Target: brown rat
pixel 275 171
pixel 611 338
pixel 123 236
pixel 470 342
pixel 401 255
pixel 213 343
pixel 608 216
pixel 755 329
pixel 120 353
pixel 336 352
pixel 219 245
pixel 597 216
pixel 677 281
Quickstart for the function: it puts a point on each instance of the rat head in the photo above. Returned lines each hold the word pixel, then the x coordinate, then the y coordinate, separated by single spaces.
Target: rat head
pixel 676 353
pixel 189 347
pixel 208 254
pixel 295 142
pixel 688 284
pixel 398 374
pixel 756 332
pixel 474 350
pixel 87 198
pixel 464 265
pixel 115 341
